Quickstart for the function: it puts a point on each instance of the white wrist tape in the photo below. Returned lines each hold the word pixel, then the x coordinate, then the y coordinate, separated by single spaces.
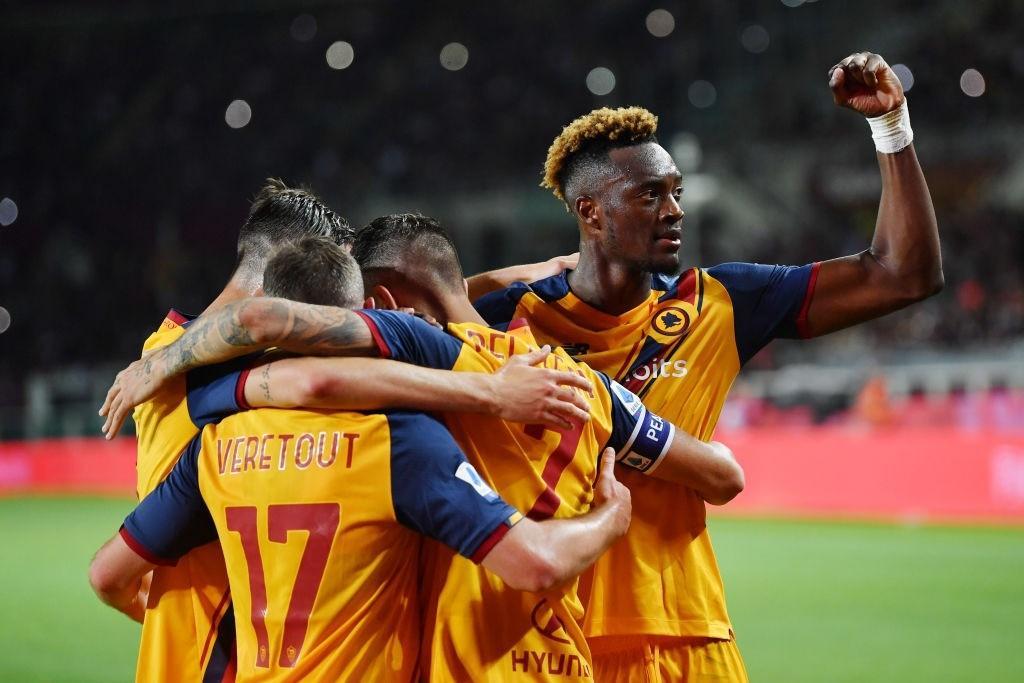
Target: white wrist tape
pixel 892 132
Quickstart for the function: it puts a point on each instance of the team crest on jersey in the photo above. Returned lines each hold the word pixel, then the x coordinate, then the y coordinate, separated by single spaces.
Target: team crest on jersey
pixel 673 320
pixel 468 474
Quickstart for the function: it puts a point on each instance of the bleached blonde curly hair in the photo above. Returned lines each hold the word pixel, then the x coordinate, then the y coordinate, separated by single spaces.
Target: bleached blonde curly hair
pixel 622 126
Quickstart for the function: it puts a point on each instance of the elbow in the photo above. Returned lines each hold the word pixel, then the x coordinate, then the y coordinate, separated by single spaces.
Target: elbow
pixel 730 486
pixel 104 584
pixel 925 286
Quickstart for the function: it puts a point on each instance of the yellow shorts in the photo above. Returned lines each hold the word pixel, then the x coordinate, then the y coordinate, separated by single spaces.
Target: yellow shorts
pixel 667 660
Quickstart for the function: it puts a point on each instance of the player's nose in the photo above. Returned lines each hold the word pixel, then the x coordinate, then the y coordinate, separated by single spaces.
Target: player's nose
pixel 671 211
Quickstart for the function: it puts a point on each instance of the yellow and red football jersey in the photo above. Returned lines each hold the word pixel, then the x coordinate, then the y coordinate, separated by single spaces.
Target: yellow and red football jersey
pixel 182 638
pixel 680 351
pixel 477 628
pixel 320 517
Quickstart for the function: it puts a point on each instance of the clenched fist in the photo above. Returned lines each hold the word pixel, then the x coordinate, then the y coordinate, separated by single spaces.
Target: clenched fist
pixel 866 84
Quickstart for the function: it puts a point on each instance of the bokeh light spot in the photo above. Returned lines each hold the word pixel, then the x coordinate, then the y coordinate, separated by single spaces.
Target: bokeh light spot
pixel 238 114
pixel 600 81
pixel 905 75
pixel 972 83
pixel 755 38
pixel 702 94
pixel 340 55
pixel 304 28
pixel 8 211
pixel 454 56
pixel 5 319
pixel 660 23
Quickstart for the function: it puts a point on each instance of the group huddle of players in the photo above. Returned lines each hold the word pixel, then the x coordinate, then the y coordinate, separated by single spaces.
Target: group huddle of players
pixel 336 486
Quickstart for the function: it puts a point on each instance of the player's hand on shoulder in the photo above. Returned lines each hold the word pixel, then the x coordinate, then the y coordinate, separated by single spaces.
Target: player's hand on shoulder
pixel 524 392
pixel 608 491
pixel 134 385
pixel 865 83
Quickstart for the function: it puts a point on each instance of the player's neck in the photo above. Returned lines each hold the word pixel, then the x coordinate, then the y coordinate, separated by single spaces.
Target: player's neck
pixel 236 288
pixel 607 286
pixel 459 309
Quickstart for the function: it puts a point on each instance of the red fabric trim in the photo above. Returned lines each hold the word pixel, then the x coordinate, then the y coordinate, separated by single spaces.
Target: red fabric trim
pixel 218 614
pixel 176 318
pixel 378 338
pixel 546 505
pixel 517 323
pixel 232 667
pixel 801 319
pixel 240 390
pixel 142 551
pixel 489 543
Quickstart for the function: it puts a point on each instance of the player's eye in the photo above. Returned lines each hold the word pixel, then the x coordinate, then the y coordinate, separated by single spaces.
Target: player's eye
pixel 677 193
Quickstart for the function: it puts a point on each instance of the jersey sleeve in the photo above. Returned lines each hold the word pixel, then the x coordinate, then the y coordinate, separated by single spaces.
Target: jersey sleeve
pixel 216 391
pixel 499 307
pixel 768 301
pixel 640 437
pixel 406 338
pixel 437 493
pixel 173 519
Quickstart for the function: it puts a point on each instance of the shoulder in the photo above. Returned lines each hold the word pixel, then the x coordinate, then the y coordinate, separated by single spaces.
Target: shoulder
pixel 500 306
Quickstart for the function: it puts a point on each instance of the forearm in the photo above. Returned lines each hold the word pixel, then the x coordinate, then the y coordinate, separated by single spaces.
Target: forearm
pixel 906 239
pixel 369 384
pixel 574 544
pixel 709 469
pixel 255 324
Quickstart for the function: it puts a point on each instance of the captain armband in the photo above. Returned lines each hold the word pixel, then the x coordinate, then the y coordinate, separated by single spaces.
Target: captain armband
pixel 648 443
pixel 892 132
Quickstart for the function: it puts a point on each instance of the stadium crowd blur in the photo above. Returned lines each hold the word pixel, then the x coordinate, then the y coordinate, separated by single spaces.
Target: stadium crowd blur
pixel 134 135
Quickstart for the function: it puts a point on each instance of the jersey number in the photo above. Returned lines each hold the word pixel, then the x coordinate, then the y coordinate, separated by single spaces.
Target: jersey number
pixel 321 521
pixel 561 456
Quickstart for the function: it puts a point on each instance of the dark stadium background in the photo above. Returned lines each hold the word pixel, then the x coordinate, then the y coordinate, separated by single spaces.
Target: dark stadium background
pixel 122 186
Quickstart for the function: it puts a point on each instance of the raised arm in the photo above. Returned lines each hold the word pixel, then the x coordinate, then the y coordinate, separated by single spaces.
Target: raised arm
pixel 493 280
pixel 903 264
pixel 537 556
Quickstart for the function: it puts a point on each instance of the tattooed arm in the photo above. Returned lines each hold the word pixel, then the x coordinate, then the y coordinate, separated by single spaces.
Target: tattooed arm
pixel 234 330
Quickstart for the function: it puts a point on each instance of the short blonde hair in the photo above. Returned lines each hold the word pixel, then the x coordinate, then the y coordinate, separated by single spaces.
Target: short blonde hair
pixel 622 126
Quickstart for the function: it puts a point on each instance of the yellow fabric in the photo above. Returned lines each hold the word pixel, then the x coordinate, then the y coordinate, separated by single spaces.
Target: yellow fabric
pixel 476 628
pixel 292 471
pixel 662 579
pixel 674 660
pixel 187 601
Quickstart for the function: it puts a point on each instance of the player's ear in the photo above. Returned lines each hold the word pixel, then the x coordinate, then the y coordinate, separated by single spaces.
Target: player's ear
pixel 369 303
pixel 465 285
pixel 383 295
pixel 587 211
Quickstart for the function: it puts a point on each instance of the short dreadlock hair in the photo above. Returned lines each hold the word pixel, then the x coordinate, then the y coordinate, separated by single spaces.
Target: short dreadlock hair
pixel 585 142
pixel 281 214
